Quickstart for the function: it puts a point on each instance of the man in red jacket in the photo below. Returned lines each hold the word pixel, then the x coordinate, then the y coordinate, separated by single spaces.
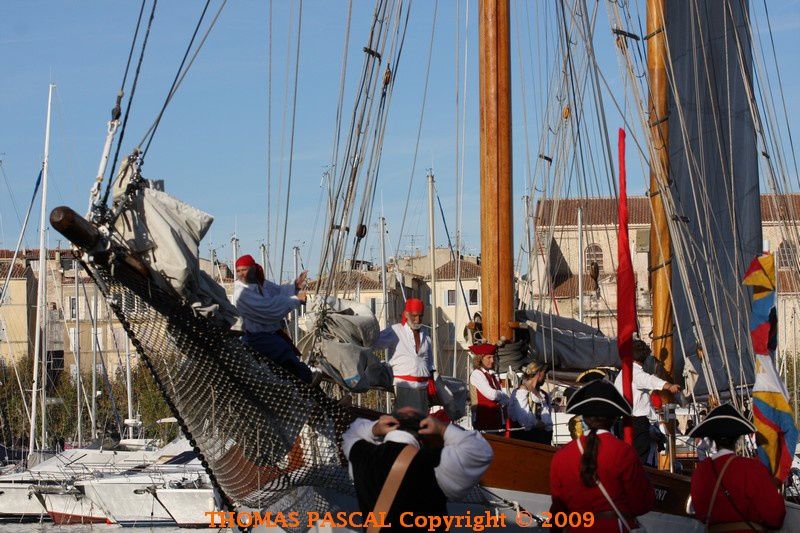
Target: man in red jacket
pixel 598 473
pixel 731 493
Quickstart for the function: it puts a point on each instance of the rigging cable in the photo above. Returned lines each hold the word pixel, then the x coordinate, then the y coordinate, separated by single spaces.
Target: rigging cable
pixel 130 99
pixel 268 266
pixel 152 131
pixel 291 135
pixel 419 131
pixel 179 77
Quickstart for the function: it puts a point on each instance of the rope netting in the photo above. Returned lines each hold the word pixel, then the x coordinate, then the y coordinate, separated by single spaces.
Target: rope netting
pixel 263 436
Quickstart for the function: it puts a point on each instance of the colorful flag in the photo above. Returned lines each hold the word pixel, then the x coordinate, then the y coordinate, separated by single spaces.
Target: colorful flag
pixel 772 414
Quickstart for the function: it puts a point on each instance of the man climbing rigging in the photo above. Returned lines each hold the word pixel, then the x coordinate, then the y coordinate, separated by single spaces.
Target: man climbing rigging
pixel 263 305
pixel 410 357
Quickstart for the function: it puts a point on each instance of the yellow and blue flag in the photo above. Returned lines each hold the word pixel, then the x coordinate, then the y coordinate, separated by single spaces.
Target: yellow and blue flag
pixel 777 433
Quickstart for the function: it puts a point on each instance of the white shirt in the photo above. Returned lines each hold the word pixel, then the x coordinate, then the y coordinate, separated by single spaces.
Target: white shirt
pixel 262 312
pixel 405 359
pixel 465 457
pixel 478 380
pixel 642 383
pixel 523 406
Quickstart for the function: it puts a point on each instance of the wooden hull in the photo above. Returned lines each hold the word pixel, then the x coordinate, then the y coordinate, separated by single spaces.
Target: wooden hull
pixel 525 467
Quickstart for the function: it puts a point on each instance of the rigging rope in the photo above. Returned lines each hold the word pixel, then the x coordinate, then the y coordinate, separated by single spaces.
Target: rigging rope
pixel 419 130
pixel 134 84
pixel 291 136
pixel 182 74
pixel 154 127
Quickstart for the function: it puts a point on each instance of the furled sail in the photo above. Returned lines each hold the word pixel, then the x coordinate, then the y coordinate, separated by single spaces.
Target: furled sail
pixel 714 185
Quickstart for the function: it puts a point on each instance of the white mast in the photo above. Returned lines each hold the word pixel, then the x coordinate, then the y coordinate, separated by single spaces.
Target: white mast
pixel 77 347
pixel 580 264
pixel 235 252
pixel 131 420
pixel 40 303
pixel 384 311
pixel 296 313
pixel 94 363
pixel 433 272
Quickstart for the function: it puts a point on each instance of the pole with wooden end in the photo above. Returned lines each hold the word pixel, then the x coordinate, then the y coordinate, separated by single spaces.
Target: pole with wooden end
pixel 497 246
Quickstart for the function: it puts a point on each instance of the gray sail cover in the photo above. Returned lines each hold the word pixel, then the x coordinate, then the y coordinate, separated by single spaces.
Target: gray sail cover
pixel 568 344
pixel 715 186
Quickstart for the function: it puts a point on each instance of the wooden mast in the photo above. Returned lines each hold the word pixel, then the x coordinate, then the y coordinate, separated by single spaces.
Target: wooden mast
pixel 497 249
pixel 660 241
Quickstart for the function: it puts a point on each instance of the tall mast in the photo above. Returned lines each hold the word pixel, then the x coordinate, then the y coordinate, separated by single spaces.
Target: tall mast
pixel 432 253
pixel 40 293
pixel 660 241
pixel 497 246
pixel 77 346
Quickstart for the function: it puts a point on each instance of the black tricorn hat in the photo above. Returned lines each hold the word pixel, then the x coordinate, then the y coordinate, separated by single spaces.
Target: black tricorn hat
pixel 593 374
pixel 723 421
pixel 598 398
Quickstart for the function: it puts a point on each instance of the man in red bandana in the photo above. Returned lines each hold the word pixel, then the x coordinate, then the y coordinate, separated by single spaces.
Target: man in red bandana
pixel 409 348
pixel 263 305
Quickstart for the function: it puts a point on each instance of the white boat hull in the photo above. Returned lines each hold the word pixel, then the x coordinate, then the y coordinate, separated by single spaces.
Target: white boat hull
pixel 17 502
pixel 127 501
pixel 188 506
pixel 68 508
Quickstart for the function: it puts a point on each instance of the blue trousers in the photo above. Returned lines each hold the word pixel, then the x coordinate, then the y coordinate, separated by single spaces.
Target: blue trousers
pixel 277 349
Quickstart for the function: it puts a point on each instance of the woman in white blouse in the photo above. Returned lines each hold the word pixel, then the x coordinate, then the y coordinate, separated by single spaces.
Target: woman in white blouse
pixel 530 406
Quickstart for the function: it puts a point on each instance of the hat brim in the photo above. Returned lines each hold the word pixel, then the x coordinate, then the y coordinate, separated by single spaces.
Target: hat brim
pixel 598 398
pixel 722 426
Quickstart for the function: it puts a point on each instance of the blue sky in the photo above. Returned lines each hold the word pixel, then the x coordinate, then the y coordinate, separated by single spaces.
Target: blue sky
pixel 211 147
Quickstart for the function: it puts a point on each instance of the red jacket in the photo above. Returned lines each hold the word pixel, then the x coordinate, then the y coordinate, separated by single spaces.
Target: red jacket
pixel 621 473
pixel 750 487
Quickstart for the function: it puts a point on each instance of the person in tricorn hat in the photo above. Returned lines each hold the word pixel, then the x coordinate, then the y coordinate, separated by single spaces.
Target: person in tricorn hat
pixel 530 406
pixel 597 472
pixel 486 394
pixel 731 493
pixel 263 305
pixel 410 353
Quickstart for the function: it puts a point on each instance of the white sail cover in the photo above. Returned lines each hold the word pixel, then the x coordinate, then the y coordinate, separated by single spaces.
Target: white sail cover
pixel 166 233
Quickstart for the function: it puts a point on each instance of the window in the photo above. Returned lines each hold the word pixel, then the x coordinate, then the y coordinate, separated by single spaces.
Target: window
pixel 55 360
pixel 593 254
pixel 473 297
pixel 451 297
pixel 73 307
pixel 787 255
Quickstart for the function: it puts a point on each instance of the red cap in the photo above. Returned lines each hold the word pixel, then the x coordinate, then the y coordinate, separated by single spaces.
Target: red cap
pixel 245 261
pixel 483 349
pixel 413 305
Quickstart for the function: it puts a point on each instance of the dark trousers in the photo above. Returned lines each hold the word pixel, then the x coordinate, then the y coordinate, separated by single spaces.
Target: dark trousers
pixel 278 349
pixel 641 438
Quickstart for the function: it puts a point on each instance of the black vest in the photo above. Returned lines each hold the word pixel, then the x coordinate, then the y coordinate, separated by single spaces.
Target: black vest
pixel 419 493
